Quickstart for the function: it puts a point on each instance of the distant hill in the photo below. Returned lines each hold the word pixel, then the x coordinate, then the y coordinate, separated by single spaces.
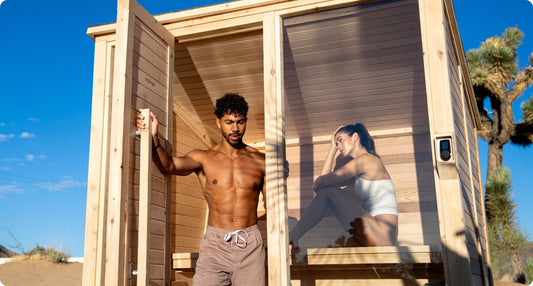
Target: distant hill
pixel 5 253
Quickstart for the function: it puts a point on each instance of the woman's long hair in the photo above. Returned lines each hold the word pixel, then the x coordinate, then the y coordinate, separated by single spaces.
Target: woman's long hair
pixel 364 137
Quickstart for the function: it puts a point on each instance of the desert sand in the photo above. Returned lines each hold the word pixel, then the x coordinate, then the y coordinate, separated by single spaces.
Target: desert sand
pixel 40 273
pixel 44 273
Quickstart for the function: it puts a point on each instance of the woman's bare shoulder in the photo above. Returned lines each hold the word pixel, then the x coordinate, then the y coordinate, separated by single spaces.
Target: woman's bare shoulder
pixel 367 163
pixel 366 159
pixel 374 168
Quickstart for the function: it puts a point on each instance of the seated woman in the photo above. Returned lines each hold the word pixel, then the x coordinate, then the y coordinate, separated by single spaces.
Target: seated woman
pixel 370 213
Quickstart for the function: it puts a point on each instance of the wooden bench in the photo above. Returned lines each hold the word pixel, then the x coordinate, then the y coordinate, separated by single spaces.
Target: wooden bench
pixel 390 265
pixel 417 254
pixel 184 261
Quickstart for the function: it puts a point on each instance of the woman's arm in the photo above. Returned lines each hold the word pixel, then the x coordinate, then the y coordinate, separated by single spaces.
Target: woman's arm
pixel 349 170
pixel 328 164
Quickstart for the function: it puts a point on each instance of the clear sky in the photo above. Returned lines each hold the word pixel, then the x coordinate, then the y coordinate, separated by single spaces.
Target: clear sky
pixel 46 67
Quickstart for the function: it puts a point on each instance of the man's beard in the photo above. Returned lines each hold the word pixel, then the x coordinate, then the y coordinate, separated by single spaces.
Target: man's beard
pixel 235 144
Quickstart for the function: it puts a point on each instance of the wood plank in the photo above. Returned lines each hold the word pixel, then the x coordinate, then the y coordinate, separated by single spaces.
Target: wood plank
pixel 150 22
pixel 352 12
pixel 191 232
pixel 352 48
pixel 232 10
pixel 189 221
pixel 226 71
pixel 433 33
pixel 369 282
pixel 151 94
pixel 220 48
pixel 194 125
pixel 145 192
pixel 194 202
pixel 276 196
pixel 372 255
pixel 472 184
pixel 186 210
pixel 189 187
pixel 96 191
pixel 119 142
pixel 400 68
pixel 104 168
pixel 344 24
pixel 147 40
pixel 188 243
pixel 158 242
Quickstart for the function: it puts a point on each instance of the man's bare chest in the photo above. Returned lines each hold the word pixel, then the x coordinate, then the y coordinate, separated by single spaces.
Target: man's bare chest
pixel 233 174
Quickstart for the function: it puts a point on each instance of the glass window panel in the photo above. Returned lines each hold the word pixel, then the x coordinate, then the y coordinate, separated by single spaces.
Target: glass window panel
pixel 360 64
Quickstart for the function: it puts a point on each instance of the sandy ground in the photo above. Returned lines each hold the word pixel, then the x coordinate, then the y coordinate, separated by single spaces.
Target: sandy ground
pixel 44 273
pixel 504 283
pixel 40 273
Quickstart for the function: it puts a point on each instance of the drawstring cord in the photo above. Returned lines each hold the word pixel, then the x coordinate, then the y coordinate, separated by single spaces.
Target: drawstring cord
pixel 240 241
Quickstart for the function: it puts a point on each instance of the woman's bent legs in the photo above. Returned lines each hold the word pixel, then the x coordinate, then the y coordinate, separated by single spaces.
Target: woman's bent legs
pixel 339 201
pixel 366 229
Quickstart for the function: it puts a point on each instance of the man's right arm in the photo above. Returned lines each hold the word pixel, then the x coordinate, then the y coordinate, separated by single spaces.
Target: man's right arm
pixel 183 165
pixel 164 161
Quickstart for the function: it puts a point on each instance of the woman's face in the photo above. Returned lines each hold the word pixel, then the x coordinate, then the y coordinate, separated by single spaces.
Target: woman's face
pixel 345 143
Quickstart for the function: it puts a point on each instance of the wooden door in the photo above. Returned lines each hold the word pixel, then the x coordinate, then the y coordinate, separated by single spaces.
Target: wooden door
pixel 143 78
pixel 142 73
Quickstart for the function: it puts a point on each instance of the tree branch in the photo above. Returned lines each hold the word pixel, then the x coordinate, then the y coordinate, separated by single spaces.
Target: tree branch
pixel 523 134
pixel 523 80
pixel 485 131
pixel 495 82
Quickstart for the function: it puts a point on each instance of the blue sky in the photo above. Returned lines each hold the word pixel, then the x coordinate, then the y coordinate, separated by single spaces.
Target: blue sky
pixel 46 66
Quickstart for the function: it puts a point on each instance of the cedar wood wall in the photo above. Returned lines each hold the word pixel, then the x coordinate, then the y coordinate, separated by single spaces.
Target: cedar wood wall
pixel 468 169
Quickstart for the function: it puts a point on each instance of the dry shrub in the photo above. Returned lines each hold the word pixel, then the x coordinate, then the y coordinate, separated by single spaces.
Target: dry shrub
pixel 42 253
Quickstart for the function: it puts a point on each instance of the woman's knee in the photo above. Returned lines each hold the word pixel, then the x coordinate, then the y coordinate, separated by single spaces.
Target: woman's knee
pixel 327 190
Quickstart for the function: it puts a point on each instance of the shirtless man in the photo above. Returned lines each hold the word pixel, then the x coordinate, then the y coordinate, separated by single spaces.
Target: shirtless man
pixel 231 175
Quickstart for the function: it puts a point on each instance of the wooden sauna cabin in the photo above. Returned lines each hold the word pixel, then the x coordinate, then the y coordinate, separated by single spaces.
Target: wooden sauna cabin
pixel 305 67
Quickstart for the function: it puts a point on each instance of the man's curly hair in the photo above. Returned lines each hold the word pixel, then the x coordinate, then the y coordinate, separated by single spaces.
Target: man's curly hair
pixel 231 103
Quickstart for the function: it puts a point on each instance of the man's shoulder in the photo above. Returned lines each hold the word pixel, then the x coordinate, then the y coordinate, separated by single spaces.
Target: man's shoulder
pixel 254 152
pixel 200 153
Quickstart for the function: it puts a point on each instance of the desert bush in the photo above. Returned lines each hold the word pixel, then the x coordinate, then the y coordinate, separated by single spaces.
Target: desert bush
pixel 506 240
pixel 43 253
pixel 528 269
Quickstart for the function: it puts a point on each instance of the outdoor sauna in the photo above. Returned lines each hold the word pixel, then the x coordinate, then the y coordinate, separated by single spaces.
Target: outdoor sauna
pixel 305 68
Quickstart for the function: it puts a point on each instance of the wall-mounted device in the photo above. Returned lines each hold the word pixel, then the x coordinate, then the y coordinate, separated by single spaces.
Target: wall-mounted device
pixel 445 149
pixel 445 155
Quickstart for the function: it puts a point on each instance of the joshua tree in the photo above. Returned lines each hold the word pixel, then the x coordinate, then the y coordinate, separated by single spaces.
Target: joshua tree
pixel 495 75
pixel 506 240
